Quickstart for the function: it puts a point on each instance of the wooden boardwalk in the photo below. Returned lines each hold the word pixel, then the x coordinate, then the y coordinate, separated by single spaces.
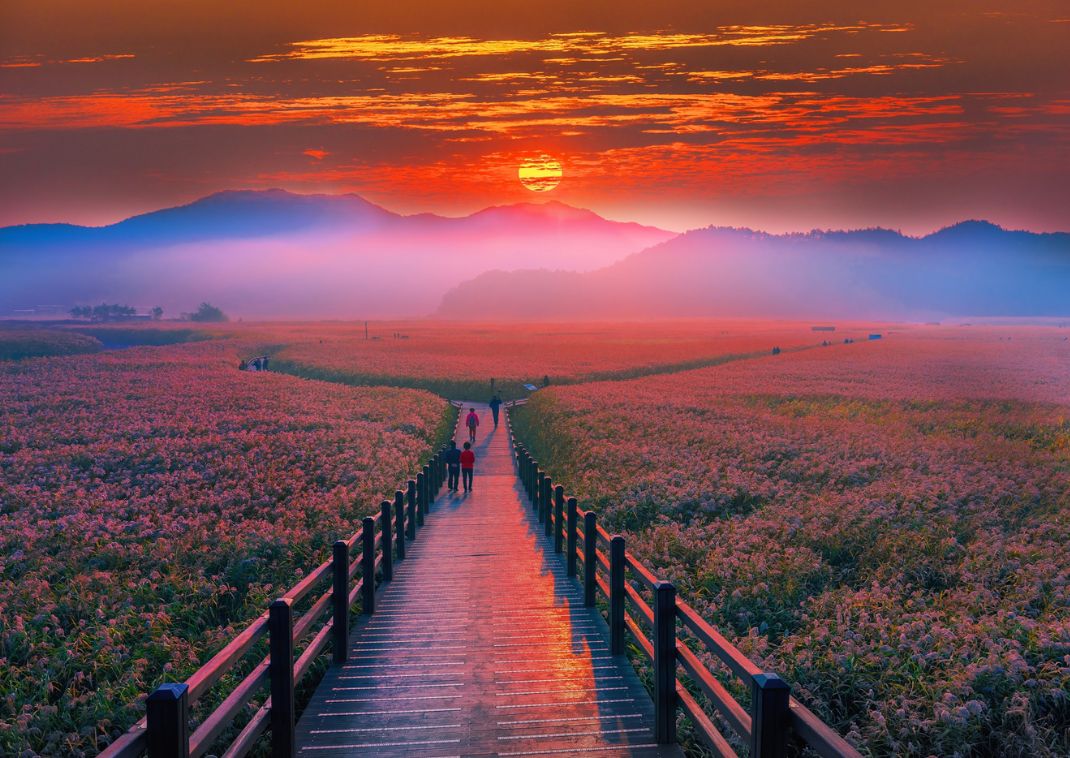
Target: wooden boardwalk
pixel 481 645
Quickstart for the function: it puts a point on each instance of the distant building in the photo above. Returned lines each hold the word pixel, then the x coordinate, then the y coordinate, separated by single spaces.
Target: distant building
pixel 874 336
pixel 822 328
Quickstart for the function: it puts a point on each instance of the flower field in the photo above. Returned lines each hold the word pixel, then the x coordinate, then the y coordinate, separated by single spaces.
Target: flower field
pixel 459 359
pixel 154 499
pixel 887 524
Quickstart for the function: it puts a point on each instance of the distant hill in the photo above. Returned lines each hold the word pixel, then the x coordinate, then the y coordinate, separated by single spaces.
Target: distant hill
pixel 275 253
pixel 971 268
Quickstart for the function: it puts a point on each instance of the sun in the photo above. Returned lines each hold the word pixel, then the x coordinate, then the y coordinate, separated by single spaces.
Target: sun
pixel 540 174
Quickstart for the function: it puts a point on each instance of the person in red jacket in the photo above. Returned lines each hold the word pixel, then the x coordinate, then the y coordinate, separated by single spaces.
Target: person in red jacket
pixel 468 466
pixel 472 421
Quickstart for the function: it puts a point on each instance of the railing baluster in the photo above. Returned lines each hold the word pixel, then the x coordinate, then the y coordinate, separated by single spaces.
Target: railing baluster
pixel 559 518
pixel 281 668
pixel 616 595
pixel 590 557
pixel 545 498
pixel 540 497
pixel 410 497
pixel 573 525
pixel 423 492
pixel 769 712
pixel 367 566
pixel 340 600
pixel 386 530
pixel 399 519
pixel 664 663
pixel 167 721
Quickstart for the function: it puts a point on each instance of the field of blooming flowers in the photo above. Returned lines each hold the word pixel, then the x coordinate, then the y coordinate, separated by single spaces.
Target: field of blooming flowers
pixel 458 359
pixel 154 499
pixel 887 524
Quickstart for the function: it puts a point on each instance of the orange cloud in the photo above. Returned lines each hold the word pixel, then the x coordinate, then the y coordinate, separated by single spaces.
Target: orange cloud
pixel 397 47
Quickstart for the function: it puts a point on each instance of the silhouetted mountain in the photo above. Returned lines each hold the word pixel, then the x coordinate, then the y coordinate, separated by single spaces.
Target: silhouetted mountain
pixel 972 268
pixel 233 214
pixel 276 253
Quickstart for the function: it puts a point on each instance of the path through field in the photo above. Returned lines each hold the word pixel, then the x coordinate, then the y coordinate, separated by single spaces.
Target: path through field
pixel 481 646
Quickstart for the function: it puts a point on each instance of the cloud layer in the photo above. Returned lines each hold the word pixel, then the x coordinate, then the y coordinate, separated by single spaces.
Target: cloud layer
pixel 909 119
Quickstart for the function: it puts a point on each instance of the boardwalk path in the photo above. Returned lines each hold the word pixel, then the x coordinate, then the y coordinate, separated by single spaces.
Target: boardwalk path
pixel 481 646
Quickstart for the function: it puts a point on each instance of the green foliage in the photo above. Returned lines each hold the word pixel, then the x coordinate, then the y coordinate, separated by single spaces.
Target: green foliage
pixel 104 312
pixel 16 344
pixel 208 313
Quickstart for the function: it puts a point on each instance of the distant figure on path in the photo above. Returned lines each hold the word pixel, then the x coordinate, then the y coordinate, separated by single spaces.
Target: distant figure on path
pixel 453 465
pixel 472 422
pixel 468 466
pixel 495 404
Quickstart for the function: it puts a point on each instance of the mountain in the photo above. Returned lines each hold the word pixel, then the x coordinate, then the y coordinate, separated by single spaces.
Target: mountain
pixel 233 214
pixel 972 268
pixel 275 253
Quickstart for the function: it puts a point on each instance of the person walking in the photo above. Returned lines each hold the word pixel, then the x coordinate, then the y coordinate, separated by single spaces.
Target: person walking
pixel 495 405
pixel 453 465
pixel 468 466
pixel 472 422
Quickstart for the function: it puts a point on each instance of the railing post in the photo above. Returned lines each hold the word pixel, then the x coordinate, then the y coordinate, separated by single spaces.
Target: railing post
pixel 281 670
pixel 664 663
pixel 436 482
pixel 616 595
pixel 546 501
pixel 590 557
pixel 410 497
pixel 769 713
pixel 386 530
pixel 540 506
pixel 573 525
pixel 167 721
pixel 559 518
pixel 423 492
pixel 340 599
pixel 367 566
pixel 399 523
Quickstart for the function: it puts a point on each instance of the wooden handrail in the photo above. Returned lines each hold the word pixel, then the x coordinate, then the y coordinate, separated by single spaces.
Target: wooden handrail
pixel 719 696
pixel 715 642
pixel 817 735
pixel 221 717
pixel 134 742
pixel 642 571
pixel 224 660
pixel 705 727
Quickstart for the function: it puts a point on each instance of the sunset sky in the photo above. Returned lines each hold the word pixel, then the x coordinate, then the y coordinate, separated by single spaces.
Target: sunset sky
pixel 778 115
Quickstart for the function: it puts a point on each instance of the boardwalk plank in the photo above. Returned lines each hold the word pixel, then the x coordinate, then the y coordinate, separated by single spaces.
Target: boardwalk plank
pixel 481 646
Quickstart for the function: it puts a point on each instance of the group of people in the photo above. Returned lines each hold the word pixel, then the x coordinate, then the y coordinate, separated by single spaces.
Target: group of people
pixel 461 463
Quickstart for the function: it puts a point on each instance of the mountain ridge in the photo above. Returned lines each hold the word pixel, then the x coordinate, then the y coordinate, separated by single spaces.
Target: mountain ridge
pixel 970 268
pixel 273 252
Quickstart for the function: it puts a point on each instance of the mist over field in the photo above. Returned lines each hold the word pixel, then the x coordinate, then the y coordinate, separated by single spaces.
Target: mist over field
pixel 275 254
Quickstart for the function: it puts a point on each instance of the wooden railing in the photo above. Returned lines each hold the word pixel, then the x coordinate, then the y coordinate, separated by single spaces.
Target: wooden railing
pixel 368 557
pixel 668 631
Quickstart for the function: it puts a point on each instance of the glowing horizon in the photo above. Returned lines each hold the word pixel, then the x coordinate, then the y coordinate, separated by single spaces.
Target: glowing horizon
pixel 775 118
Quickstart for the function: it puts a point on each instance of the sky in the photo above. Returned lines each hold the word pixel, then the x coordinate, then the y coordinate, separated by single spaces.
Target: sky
pixel 777 115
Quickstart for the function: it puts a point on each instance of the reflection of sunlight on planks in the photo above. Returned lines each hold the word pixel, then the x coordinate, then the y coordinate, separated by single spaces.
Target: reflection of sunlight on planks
pixel 481 645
